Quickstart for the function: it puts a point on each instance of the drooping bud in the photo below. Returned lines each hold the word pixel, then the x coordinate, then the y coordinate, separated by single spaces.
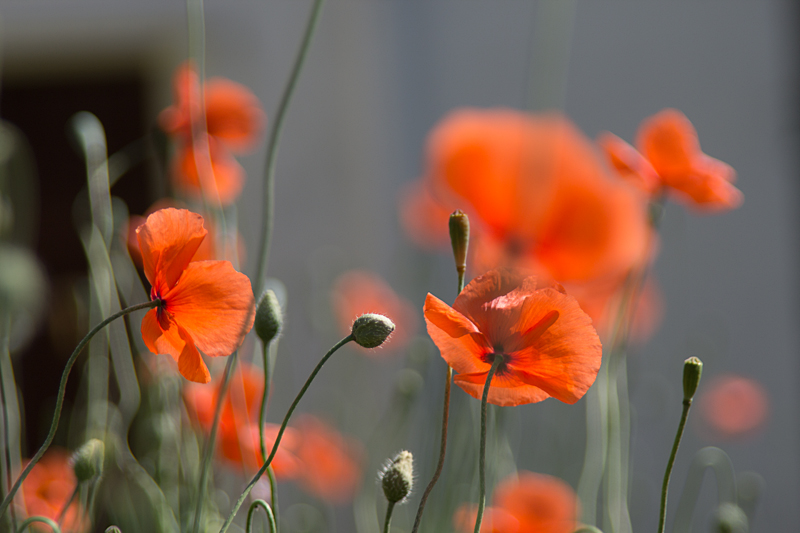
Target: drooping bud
pixel 459 238
pixel 371 330
pixel 397 477
pixel 692 370
pixel 730 518
pixel 269 317
pixel 87 461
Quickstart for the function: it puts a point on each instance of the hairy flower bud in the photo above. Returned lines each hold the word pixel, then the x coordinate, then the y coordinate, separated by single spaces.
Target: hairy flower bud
pixel 371 330
pixel 269 318
pixel 692 370
pixel 87 461
pixel 459 238
pixel 397 477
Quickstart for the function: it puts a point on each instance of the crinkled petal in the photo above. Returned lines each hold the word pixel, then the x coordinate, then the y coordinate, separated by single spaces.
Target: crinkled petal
pixel 177 342
pixel 214 303
pixel 167 240
pixel 506 389
pixel 458 340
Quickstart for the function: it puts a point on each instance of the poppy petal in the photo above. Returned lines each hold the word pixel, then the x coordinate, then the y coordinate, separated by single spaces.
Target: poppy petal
pixel 167 240
pixel 190 362
pixel 506 389
pixel 233 113
pixel 228 175
pixel 213 303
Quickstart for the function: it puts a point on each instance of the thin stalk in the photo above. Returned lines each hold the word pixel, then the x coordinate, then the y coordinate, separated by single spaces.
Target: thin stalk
pixel 272 146
pixel 482 457
pixel 60 395
pixel 388 520
pixel 282 429
pixel 662 516
pixel 273 528
pixel 63 512
pixel 6 426
pixel 262 420
pixel 43 520
pixel 212 439
pixel 445 418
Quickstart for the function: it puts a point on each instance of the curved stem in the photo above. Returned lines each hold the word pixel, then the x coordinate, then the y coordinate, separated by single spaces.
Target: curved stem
pixel 388 520
pixel 662 516
pixel 282 429
pixel 273 528
pixel 482 458
pixel 272 147
pixel 60 396
pixel 43 520
pixel 212 440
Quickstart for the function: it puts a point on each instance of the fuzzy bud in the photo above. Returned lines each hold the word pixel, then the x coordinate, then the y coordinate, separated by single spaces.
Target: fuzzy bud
pixel 692 370
pixel 397 478
pixel 371 330
pixel 459 238
pixel 269 318
pixel 87 462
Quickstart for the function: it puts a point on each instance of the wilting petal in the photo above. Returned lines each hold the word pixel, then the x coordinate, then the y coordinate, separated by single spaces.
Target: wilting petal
pixel 214 303
pixel 167 240
pixel 233 113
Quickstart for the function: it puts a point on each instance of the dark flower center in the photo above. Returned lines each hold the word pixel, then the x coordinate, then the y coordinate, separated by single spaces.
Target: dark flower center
pixel 489 358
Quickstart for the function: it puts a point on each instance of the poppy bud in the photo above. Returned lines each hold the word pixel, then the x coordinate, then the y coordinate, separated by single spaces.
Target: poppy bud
pixel 87 462
pixel 730 518
pixel 397 477
pixel 459 238
pixel 370 330
pixel 269 318
pixel 692 370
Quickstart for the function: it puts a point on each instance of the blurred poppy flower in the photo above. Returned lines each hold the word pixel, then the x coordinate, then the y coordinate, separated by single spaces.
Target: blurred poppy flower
pixel 234 120
pixel 537 193
pixel 358 292
pixel 48 488
pixel 525 503
pixel 548 344
pixel 424 219
pixel 733 406
pixel 330 462
pixel 237 434
pixel 205 305
pixel 668 143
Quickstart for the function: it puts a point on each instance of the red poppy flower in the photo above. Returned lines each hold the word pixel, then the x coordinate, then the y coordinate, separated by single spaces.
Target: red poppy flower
pixel 331 463
pixel 359 292
pixel 205 305
pixel 537 194
pixel 733 406
pixel 228 174
pixel 48 488
pixel 526 503
pixel 548 344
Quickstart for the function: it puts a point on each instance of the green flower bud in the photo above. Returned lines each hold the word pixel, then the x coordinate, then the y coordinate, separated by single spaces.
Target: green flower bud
pixel 730 518
pixel 87 462
pixel 269 318
pixel 459 238
pixel 397 477
pixel 371 330
pixel 692 370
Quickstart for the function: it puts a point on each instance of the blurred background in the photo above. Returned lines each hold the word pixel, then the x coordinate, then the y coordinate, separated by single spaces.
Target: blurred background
pixel 380 74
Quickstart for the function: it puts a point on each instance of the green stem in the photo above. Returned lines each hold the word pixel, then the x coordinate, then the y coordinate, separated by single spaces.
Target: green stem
pixel 63 512
pixel 482 457
pixel 43 520
pixel 272 147
pixel 212 439
pixel 273 528
pixel 60 395
pixel 262 420
pixel 6 353
pixel 388 520
pixel 662 517
pixel 282 429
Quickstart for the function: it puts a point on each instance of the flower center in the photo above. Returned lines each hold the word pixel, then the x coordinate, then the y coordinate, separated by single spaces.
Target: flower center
pixel 489 358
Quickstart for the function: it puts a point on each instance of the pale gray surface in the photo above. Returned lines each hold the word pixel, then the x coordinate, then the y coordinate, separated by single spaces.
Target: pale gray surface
pixel 381 73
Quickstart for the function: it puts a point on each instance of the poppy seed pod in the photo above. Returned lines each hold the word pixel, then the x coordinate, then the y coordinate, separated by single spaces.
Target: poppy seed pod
pixel 87 462
pixel 269 318
pixel 692 370
pixel 397 477
pixel 459 238
pixel 371 330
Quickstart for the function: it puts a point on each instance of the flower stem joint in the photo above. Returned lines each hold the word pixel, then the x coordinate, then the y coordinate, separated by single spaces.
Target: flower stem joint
pixel 692 370
pixel 371 330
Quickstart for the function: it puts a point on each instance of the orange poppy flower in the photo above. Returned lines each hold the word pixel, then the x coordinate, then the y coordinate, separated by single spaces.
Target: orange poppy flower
pixel 238 439
pixel 48 488
pixel 358 292
pixel 668 142
pixel 228 175
pixel 205 305
pixel 548 344
pixel 537 194
pixel 629 163
pixel 424 219
pixel 526 503
pixel 733 406
pixel 331 463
